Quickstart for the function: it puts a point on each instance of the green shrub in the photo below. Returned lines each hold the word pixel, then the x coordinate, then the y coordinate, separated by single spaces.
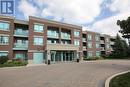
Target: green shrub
pixel 3 59
pixel 92 58
pixel 14 63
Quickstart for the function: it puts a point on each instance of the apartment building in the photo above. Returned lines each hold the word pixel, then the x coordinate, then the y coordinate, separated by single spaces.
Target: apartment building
pixel 91 44
pixel 106 45
pixel 39 40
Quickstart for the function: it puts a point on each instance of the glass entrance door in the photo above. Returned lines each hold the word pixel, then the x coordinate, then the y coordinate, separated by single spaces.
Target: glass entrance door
pixel 62 56
pixel 53 53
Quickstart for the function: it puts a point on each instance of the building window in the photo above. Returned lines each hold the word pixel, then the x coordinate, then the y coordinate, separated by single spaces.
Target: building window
pixel 77 42
pixel 97 45
pixel 89 37
pixel 65 35
pixel 52 34
pixel 76 33
pixel 4 26
pixel 38 41
pixel 107 39
pixel 90 54
pixel 3 54
pixel 38 28
pixel 97 37
pixel 108 46
pixel 20 56
pixel 4 40
pixel 97 53
pixel 89 44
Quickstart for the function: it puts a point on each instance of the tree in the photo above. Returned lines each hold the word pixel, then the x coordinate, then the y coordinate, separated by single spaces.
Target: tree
pixel 126 48
pixel 125 28
pixel 120 48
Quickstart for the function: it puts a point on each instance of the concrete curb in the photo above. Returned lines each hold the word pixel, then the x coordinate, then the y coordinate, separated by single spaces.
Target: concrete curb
pixel 109 79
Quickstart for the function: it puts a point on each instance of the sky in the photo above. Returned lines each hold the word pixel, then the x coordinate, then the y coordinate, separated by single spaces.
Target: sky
pixel 93 15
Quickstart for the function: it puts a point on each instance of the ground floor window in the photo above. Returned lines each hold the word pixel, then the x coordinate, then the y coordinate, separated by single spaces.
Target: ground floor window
pixel 3 54
pixel 20 56
pixel 90 54
pixel 97 53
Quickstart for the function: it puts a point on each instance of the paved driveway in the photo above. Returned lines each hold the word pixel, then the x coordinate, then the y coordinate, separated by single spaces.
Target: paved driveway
pixel 83 74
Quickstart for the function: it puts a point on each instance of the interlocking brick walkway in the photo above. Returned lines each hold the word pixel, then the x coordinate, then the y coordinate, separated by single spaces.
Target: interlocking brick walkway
pixel 83 74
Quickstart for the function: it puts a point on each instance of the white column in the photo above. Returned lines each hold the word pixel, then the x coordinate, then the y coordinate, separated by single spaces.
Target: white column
pixel 48 55
pixel 61 56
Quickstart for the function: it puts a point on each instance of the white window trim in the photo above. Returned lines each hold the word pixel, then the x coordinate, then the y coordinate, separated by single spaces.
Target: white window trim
pixel 38 24
pixel 5 22
pixel 38 37
pixel 6 36
pixel 76 31
pixel 88 45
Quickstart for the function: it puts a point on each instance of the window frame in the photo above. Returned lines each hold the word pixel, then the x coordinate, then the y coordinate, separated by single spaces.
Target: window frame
pixel 99 53
pixel 88 36
pixel 34 42
pixel 5 43
pixel 88 45
pixel 5 28
pixel 76 32
pixel 75 42
pixel 4 52
pixel 98 45
pixel 38 25
pixel 89 53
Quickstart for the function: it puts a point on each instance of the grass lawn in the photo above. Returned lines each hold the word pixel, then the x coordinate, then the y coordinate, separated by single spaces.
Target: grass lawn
pixel 121 81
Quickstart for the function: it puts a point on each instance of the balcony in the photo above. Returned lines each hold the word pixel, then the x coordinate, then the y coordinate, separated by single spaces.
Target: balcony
pixel 65 37
pixel 21 33
pixel 20 46
pixel 84 47
pixel 56 36
pixel 52 34
pixel 83 39
pixel 112 43
pixel 102 41
pixel 111 49
pixel 102 48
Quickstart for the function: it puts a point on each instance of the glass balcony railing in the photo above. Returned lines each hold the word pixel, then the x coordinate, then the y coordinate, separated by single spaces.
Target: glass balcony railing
pixel 102 48
pixel 23 33
pixel 20 45
pixel 65 37
pixel 84 39
pixel 112 43
pixel 102 41
pixel 53 36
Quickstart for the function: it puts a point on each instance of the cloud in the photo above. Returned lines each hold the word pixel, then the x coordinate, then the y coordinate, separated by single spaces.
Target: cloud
pixel 70 11
pixel 108 25
pixel 120 6
pixel 27 9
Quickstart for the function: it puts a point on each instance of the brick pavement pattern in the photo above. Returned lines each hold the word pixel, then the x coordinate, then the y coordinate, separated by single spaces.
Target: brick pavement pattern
pixel 83 74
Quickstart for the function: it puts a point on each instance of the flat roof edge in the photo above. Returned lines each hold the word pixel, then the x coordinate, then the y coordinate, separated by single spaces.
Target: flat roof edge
pixel 21 21
pixel 55 22
pixel 9 17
